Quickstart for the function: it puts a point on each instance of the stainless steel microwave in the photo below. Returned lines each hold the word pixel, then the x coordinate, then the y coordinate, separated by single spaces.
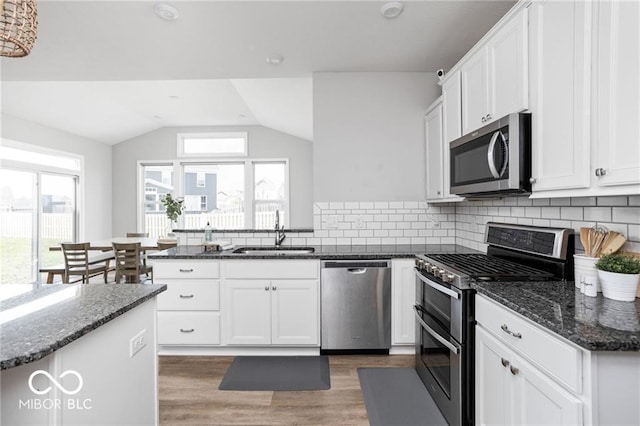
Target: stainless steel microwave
pixel 494 160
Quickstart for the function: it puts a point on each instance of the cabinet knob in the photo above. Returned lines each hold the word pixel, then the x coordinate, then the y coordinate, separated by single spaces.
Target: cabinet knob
pixel 600 171
pixel 505 362
pixel 438 192
pixel 532 180
pixel 266 288
pixel 483 119
pixel 489 117
pixel 514 370
pixel 274 288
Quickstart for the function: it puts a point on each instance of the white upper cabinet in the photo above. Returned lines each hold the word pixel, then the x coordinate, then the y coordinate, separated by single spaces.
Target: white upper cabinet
pixel 495 78
pixel 475 92
pixel 508 55
pixel 560 88
pixel 434 151
pixel 618 100
pixel 585 98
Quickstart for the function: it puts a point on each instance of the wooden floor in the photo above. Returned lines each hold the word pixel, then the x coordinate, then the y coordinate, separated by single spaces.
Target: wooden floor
pixel 189 395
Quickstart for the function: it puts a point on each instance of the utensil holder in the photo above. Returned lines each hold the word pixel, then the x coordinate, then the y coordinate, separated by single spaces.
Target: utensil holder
pixel 586 267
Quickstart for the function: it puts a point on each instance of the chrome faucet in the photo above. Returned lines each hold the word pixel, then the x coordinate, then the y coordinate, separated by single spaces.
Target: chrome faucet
pixel 279 230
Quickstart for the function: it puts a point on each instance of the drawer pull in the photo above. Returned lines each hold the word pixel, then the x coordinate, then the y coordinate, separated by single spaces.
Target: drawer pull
pixel 186 296
pixel 506 330
pixel 186 270
pixel 191 330
pixel 514 370
pixel 505 362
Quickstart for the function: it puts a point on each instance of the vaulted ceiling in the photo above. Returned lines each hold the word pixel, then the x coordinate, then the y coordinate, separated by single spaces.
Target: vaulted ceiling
pixel 112 70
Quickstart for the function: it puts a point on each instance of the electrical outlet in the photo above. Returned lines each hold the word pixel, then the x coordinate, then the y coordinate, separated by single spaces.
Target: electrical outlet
pixel 359 222
pixel 433 225
pixel 137 342
pixel 332 221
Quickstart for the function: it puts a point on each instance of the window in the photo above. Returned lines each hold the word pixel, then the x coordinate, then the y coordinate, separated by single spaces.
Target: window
pixel 218 144
pixel 157 182
pixel 269 193
pixel 236 194
pixel 225 191
pixel 38 208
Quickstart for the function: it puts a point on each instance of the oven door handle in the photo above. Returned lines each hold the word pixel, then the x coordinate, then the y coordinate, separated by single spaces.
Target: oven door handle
pixel 437 287
pixel 416 309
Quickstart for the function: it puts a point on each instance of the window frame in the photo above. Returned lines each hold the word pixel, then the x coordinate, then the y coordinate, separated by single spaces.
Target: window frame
pixel 179 185
pixel 212 135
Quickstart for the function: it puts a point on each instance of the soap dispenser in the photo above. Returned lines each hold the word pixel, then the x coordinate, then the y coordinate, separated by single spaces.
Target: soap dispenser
pixel 208 233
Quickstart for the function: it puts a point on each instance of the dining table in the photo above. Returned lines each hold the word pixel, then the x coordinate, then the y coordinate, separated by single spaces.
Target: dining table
pixel 146 243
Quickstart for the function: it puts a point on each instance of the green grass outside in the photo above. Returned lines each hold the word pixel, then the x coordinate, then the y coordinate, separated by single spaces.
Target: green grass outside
pixel 16 261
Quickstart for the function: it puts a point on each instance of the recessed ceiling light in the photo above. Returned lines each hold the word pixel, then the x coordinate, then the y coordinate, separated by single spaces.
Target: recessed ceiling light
pixel 174 97
pixel 392 9
pixel 275 59
pixel 166 12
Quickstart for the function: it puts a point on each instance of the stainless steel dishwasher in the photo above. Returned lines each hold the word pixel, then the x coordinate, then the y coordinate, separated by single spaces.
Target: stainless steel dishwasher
pixel 356 306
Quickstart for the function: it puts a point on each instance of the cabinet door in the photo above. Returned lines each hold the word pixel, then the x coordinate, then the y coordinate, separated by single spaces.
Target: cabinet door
pixel 403 297
pixel 508 68
pixel 295 312
pixel 451 109
pixel 618 103
pixel 475 92
pixel 540 401
pixel 434 151
pixel 560 94
pixel 494 396
pixel 451 127
pixel 247 312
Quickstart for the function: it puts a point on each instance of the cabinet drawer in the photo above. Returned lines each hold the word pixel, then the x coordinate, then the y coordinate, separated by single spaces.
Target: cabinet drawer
pixel 190 295
pixel 188 328
pixel 559 359
pixel 272 269
pixel 185 269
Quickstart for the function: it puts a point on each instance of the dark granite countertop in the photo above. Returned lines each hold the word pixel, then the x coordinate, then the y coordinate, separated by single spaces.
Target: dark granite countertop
pixel 594 323
pixel 320 252
pixel 78 309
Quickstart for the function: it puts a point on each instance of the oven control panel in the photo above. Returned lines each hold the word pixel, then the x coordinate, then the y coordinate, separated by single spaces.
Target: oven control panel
pixel 425 266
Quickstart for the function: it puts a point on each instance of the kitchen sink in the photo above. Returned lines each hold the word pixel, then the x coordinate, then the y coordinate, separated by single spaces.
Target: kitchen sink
pixel 273 250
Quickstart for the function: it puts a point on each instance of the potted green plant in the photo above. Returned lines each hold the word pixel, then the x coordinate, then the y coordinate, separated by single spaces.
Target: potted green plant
pixel 619 274
pixel 173 208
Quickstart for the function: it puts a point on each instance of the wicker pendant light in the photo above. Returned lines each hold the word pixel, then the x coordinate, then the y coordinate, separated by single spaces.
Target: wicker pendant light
pixel 18 27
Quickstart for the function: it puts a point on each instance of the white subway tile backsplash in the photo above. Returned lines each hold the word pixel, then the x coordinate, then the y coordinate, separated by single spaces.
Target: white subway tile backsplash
pixel 571 213
pixel 612 201
pixel 626 214
pixel 598 214
pixel 415 222
pixel 583 201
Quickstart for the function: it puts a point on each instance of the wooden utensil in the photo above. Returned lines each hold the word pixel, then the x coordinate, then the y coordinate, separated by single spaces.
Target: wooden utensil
pixel 614 244
pixel 597 244
pixel 584 239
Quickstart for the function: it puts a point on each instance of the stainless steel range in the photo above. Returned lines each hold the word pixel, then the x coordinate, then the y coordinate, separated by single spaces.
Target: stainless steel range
pixel 444 306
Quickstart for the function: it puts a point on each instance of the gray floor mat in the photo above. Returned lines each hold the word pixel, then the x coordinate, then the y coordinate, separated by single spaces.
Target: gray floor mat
pixel 397 396
pixel 277 373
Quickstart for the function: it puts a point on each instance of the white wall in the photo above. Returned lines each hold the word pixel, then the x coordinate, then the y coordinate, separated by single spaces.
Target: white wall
pixel 369 135
pixel 96 184
pixel 161 145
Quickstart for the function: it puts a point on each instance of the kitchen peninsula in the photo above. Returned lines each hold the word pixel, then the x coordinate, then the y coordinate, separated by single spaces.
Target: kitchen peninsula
pixel 72 354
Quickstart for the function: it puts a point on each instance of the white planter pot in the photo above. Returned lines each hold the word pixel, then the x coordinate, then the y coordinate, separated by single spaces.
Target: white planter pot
pixel 620 287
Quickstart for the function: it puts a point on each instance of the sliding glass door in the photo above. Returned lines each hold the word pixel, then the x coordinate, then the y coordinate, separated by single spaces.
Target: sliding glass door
pixel 18 226
pixel 37 210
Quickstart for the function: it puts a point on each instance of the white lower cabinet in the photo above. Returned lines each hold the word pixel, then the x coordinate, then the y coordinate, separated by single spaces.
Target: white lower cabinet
pixel 403 297
pixel 189 310
pixel 276 311
pixel 510 390
pixel 527 375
